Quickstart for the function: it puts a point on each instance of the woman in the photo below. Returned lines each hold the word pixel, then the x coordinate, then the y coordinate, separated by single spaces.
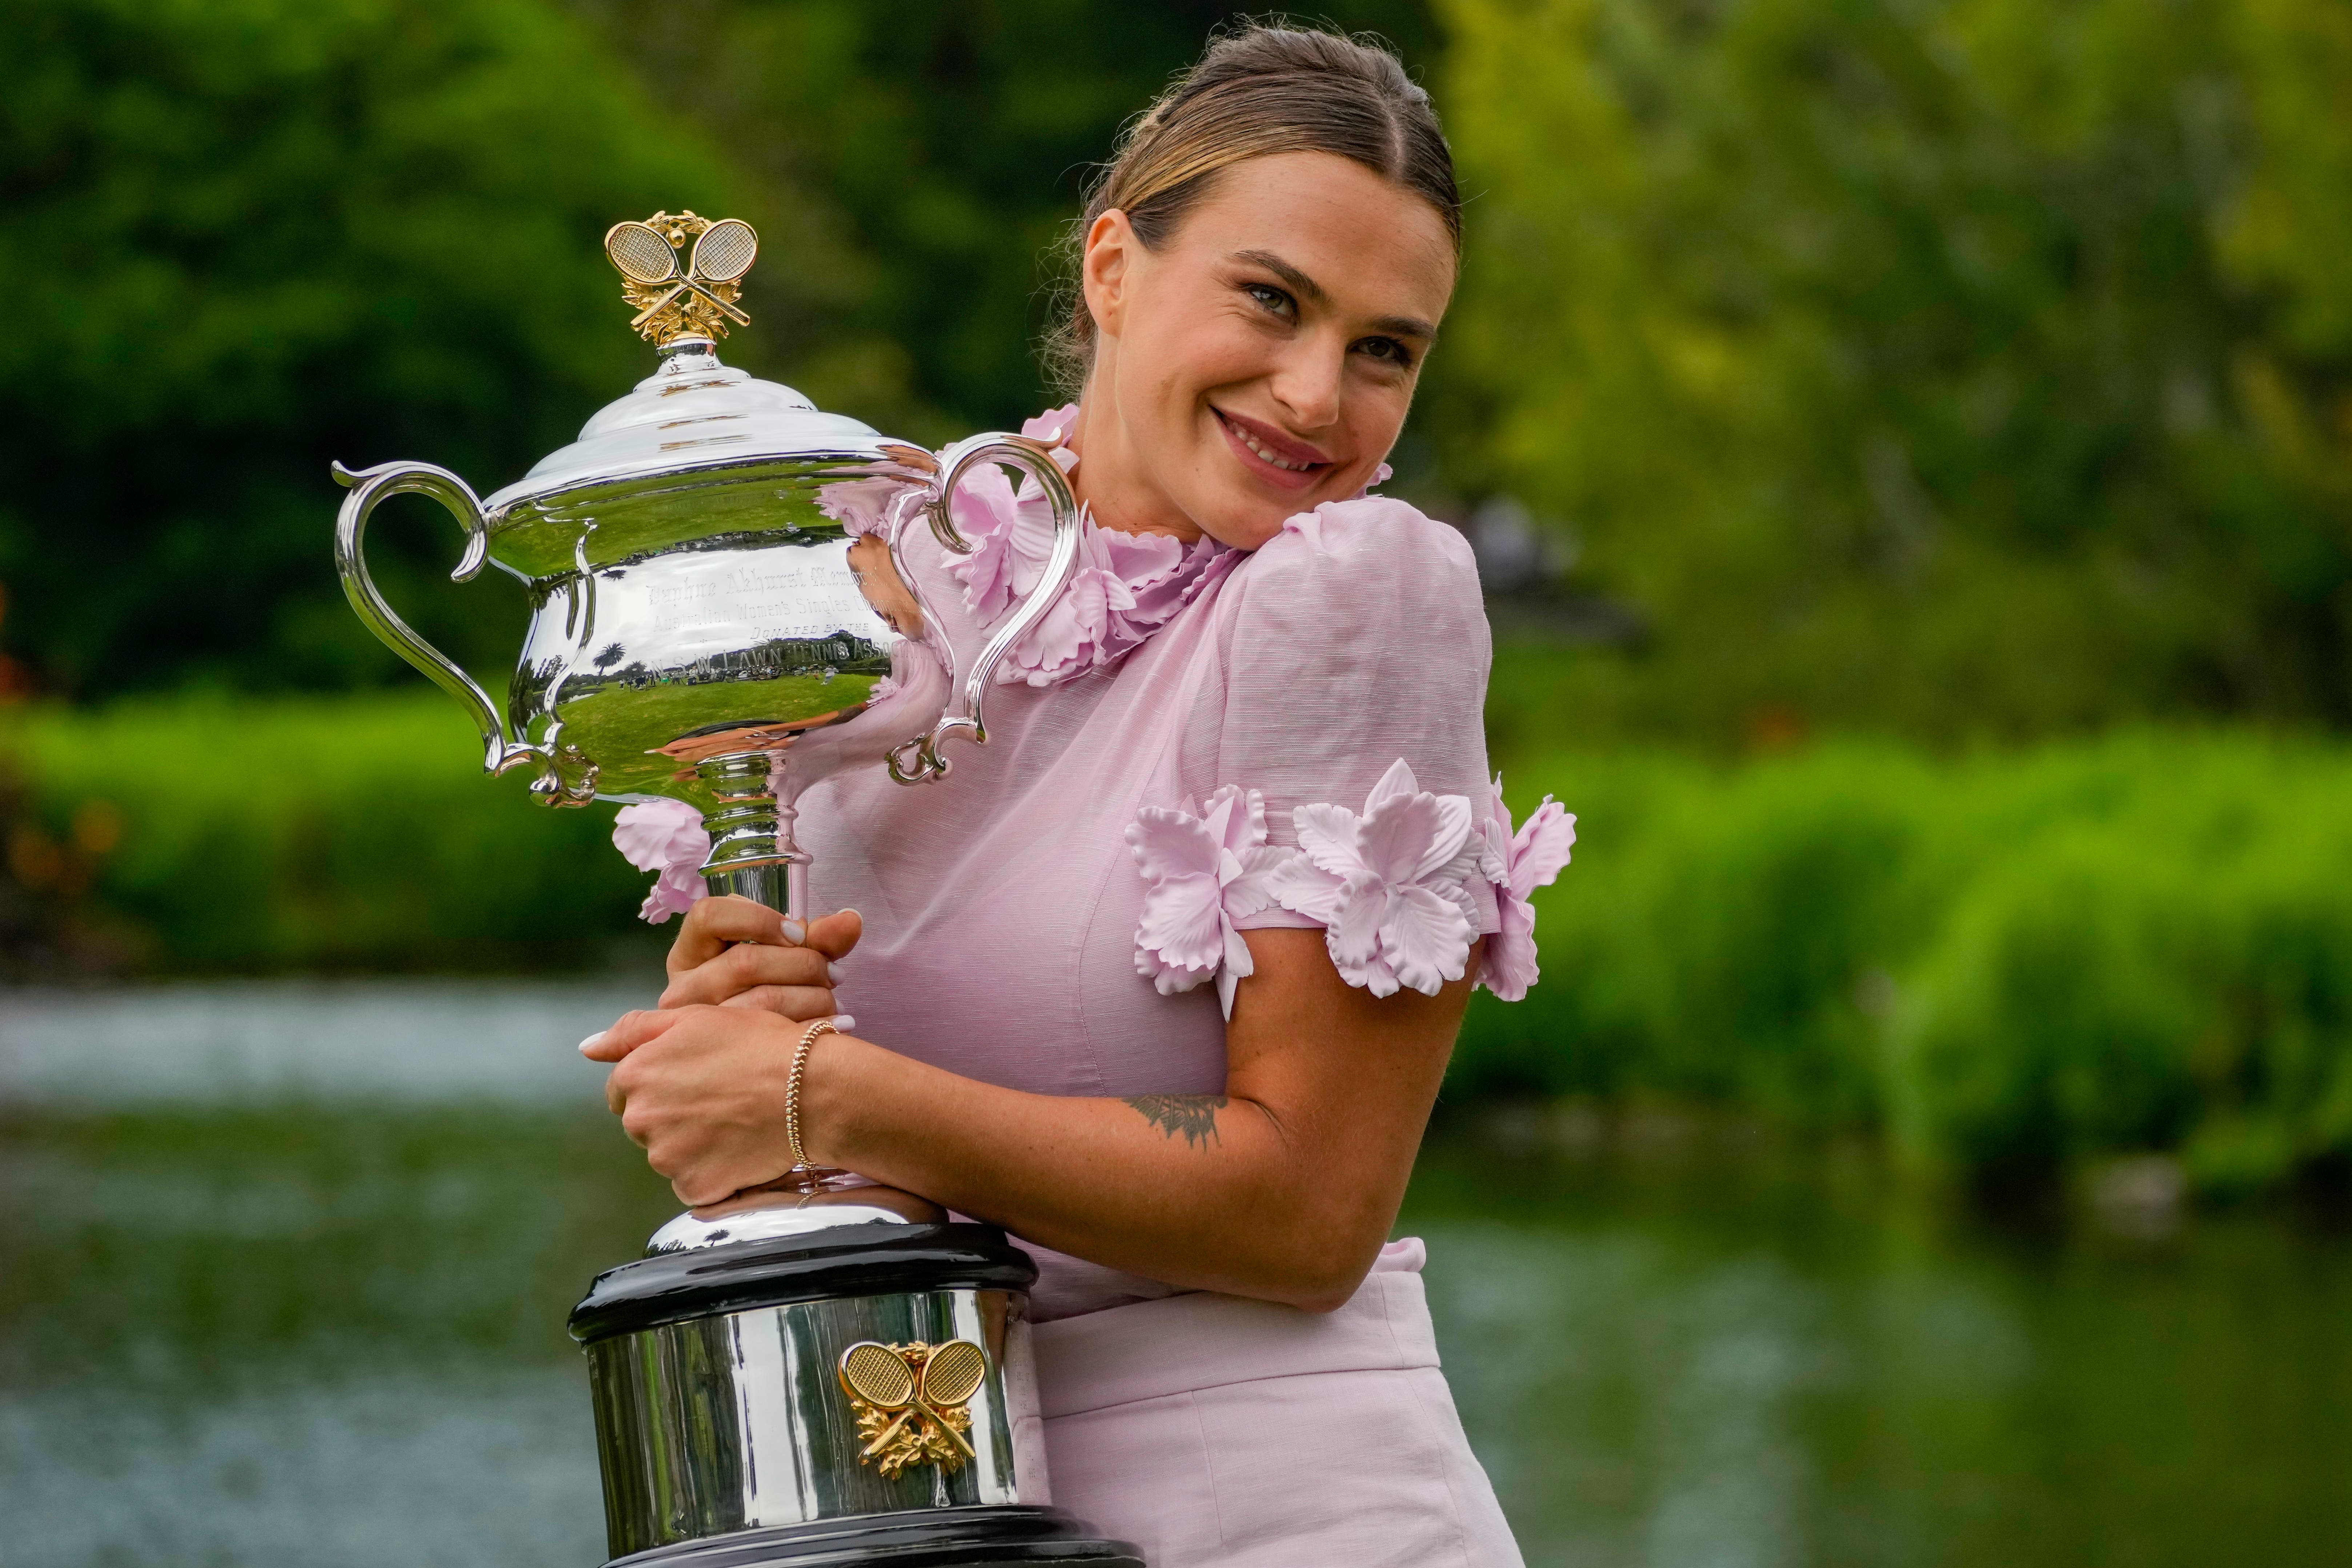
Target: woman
pixel 1245 749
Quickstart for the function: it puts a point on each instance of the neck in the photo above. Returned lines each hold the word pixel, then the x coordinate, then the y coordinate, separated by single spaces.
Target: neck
pixel 1112 480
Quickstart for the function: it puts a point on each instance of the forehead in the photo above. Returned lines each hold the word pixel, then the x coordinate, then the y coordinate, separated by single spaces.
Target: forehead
pixel 1374 246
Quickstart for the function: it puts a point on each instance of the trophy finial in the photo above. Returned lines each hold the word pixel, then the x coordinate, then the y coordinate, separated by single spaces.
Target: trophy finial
pixel 697 302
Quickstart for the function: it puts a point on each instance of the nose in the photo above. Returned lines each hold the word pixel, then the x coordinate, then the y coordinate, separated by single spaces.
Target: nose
pixel 1306 383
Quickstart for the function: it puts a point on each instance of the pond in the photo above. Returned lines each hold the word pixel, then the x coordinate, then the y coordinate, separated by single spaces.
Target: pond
pixel 284 1267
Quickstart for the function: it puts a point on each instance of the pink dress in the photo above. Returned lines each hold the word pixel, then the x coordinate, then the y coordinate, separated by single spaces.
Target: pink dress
pixel 1060 916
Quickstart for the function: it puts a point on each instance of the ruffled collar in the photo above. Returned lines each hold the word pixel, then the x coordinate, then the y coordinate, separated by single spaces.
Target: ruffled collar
pixel 1125 586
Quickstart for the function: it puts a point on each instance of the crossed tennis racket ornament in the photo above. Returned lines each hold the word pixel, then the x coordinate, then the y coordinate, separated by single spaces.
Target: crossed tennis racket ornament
pixel 697 300
pixel 910 1401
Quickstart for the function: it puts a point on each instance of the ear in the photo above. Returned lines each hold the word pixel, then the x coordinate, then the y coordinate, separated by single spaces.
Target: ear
pixel 1111 247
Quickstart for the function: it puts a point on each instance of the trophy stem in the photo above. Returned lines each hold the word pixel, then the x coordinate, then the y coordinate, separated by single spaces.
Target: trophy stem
pixel 753 855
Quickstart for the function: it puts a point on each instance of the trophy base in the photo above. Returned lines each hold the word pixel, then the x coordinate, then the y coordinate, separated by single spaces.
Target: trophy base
pixel 932 1538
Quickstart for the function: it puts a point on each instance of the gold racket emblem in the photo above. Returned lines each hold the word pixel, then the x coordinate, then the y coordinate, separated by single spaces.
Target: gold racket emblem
pixel 696 300
pixel 910 1402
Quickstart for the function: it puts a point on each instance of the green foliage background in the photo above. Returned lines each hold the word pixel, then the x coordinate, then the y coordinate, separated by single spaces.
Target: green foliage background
pixel 1967 367
pixel 1922 376
pixel 1964 367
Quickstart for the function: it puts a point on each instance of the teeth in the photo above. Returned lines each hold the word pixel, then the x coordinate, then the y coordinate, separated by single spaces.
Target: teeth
pixel 1270 457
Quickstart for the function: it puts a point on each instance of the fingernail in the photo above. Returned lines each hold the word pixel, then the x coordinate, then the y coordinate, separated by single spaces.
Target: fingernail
pixel 589 1041
pixel 795 932
pixel 843 1021
pixel 833 973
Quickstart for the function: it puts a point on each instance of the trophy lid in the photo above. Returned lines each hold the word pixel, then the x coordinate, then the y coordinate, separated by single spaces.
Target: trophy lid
pixel 693 413
pixel 772 1247
pixel 763 1214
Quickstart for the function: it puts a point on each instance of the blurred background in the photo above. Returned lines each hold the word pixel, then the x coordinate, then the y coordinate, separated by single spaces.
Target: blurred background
pixel 1908 447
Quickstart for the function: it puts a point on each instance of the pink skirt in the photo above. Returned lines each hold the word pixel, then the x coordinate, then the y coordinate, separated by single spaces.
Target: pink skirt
pixel 1211 1430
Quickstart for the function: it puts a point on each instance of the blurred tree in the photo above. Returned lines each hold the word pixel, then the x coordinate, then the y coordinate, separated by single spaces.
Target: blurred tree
pixel 262 234
pixel 271 234
pixel 1970 364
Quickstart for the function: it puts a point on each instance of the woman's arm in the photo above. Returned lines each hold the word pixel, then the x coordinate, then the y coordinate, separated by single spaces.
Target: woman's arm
pixel 1283 1188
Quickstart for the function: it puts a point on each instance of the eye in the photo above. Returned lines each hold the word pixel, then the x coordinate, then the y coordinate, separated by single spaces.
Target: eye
pixel 1388 351
pixel 1272 298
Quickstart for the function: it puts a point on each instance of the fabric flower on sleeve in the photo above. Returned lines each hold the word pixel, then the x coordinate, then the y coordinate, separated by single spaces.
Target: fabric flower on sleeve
pixel 1387 884
pixel 666 837
pixel 1206 867
pixel 1529 859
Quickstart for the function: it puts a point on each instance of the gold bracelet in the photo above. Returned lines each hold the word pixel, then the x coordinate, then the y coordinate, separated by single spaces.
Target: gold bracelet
pixel 793 1091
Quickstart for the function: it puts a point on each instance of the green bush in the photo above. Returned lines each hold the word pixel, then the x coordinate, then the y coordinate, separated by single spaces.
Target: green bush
pixel 2006 964
pixel 212 837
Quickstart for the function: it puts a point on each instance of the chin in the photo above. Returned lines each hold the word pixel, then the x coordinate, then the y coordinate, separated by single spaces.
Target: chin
pixel 1246 520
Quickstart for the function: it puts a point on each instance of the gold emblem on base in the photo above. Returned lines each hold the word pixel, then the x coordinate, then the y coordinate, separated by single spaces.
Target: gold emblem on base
pixel 697 302
pixel 910 1401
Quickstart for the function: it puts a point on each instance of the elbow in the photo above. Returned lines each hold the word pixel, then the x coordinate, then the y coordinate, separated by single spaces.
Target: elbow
pixel 1323 1276
pixel 1328 1301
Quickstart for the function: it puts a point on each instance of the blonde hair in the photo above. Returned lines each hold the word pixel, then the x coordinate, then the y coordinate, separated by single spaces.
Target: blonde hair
pixel 1263 90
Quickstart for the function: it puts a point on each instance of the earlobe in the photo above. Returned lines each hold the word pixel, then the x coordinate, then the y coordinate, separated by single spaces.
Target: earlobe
pixel 1103 270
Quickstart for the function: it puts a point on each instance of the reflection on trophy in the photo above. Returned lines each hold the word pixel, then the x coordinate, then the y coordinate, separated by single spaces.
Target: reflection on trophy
pixel 719 615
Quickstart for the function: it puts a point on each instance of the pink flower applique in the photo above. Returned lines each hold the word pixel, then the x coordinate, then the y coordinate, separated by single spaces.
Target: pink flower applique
pixel 1207 868
pixel 1053 427
pixel 668 836
pixel 1529 859
pixel 869 506
pixel 1123 587
pixel 1387 885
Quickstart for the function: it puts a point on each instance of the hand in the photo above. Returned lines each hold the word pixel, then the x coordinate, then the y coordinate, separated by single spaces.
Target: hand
pixel 701 1091
pixel 737 952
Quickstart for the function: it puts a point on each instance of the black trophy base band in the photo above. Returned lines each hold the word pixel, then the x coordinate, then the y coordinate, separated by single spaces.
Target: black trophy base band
pixel 927 1538
pixel 848 1260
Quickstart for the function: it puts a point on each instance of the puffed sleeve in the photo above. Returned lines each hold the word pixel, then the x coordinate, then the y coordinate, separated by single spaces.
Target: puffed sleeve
pixel 1339 750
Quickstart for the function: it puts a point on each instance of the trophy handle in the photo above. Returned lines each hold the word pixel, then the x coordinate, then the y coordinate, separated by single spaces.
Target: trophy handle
pixel 368 486
pixel 1033 458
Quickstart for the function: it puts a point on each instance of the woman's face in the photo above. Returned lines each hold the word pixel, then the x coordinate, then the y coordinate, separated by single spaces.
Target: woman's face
pixel 1262 361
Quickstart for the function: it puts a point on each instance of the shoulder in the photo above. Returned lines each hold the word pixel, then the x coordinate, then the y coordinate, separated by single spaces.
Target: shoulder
pixel 1370 541
pixel 1355 566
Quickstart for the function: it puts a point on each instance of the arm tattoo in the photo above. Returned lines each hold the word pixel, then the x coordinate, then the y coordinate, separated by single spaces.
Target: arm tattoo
pixel 1193 1115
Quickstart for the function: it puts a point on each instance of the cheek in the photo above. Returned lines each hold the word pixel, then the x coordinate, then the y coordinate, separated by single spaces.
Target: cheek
pixel 1376 416
pixel 1193 353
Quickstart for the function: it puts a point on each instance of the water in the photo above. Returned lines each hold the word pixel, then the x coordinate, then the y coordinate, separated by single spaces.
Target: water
pixel 283 1270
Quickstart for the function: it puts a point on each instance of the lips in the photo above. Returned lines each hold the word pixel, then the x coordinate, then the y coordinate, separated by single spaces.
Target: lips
pixel 1293 465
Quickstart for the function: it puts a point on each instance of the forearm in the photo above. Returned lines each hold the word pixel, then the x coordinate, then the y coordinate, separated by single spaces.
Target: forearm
pixel 1200 1190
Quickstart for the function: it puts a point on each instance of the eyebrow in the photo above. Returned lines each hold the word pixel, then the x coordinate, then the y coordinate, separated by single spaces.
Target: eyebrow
pixel 1402 326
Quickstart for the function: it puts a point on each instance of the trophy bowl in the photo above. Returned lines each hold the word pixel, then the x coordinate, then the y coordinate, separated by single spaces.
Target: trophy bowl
pixel 720 614
pixel 720 611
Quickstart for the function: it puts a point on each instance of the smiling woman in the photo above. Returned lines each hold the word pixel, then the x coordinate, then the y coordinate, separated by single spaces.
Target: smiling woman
pixel 1245 748
pixel 1257 281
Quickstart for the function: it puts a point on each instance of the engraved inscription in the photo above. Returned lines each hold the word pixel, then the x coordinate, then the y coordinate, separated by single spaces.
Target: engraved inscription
pixel 766 600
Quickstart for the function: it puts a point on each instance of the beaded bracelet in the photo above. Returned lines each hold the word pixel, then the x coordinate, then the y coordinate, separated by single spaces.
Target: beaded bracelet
pixel 793 1091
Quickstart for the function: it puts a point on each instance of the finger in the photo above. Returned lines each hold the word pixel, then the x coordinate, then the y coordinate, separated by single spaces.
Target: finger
pixel 713 925
pixel 834 934
pixel 800 1004
pixel 616 1100
pixel 744 966
pixel 627 1033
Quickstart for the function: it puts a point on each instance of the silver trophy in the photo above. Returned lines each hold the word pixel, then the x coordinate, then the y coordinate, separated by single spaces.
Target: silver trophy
pixel 721 615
